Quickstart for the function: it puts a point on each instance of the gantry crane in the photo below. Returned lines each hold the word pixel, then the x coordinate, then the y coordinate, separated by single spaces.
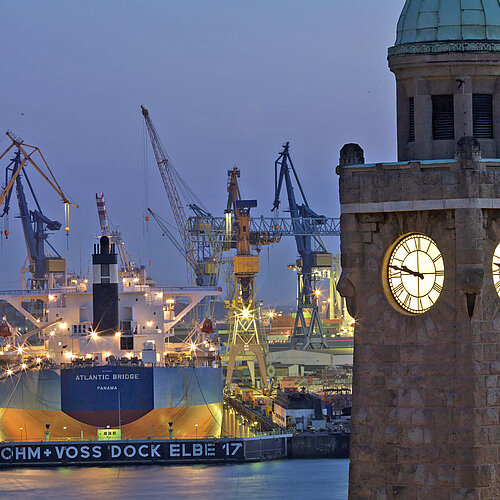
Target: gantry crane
pixel 44 267
pixel 305 336
pixel 245 340
pixel 304 225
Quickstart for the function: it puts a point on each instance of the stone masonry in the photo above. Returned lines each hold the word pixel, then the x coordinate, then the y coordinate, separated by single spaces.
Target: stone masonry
pixel 426 388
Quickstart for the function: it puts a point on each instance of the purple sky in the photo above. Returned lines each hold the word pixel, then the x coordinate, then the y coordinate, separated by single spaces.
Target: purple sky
pixel 226 83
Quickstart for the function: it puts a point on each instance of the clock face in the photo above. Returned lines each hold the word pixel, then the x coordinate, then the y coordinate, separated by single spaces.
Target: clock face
pixel 496 269
pixel 415 273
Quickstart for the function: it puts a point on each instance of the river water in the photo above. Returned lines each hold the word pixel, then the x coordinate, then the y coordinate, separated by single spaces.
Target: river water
pixel 288 479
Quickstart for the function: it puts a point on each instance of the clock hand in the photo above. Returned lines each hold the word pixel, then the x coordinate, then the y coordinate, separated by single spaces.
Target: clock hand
pixel 395 267
pixel 496 264
pixel 409 271
pixel 414 273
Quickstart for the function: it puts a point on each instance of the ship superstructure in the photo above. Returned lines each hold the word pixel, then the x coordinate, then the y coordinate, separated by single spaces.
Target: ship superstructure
pixel 106 361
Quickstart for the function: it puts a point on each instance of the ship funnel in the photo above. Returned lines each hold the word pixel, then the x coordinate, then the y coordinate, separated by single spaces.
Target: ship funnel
pixel 105 289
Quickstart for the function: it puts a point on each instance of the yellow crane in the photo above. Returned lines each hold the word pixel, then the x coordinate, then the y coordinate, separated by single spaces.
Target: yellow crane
pixel 43 266
pixel 245 340
pixel 28 152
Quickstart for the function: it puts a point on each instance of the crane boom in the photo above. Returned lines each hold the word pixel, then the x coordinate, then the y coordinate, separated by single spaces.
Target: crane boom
pixel 103 215
pixel 167 177
pixel 128 266
pixel 52 180
pixel 166 231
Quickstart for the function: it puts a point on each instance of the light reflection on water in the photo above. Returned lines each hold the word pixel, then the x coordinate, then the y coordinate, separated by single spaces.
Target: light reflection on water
pixel 289 479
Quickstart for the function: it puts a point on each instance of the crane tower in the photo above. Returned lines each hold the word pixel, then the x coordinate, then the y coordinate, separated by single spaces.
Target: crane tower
pixel 306 335
pixel 245 340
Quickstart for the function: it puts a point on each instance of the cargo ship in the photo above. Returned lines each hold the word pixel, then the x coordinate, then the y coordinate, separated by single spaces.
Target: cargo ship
pixel 101 361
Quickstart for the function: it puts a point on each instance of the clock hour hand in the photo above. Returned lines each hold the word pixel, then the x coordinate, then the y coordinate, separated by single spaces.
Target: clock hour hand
pixel 408 270
pixel 414 273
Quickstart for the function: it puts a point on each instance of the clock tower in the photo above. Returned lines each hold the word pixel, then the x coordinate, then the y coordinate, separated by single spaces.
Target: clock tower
pixel 421 266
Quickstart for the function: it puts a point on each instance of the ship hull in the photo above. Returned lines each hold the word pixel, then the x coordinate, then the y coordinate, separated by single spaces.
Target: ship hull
pixel 142 401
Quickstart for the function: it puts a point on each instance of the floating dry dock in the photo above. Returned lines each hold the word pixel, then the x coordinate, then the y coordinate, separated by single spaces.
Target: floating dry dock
pixel 144 452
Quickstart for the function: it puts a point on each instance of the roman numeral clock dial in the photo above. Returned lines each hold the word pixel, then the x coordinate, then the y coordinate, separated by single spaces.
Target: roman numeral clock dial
pixel 496 269
pixel 415 273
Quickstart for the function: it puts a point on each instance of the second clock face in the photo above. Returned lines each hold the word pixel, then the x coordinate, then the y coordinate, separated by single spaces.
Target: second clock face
pixel 496 269
pixel 415 273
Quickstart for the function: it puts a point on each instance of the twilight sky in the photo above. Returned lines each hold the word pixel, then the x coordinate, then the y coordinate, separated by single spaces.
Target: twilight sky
pixel 226 82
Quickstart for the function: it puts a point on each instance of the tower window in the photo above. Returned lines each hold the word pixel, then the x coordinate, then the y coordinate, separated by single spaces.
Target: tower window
pixel 443 117
pixel 482 116
pixel 411 110
pixel 104 269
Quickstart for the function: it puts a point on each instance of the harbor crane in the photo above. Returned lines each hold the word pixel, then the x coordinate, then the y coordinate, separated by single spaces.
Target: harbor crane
pixel 45 268
pixel 202 252
pixel 305 335
pixel 204 273
pixel 244 338
pixel 305 226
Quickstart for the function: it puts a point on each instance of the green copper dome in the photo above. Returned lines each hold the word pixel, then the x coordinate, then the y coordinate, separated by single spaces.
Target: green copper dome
pixel 430 21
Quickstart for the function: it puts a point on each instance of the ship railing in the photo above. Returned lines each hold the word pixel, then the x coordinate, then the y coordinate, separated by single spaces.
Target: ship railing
pixel 151 437
pixel 39 292
pixel 180 289
pixel 78 362
pixel 135 288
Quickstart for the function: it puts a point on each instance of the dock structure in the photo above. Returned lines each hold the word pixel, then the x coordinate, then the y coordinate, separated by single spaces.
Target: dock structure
pixel 175 451
pixel 319 445
pixel 266 424
pixel 144 452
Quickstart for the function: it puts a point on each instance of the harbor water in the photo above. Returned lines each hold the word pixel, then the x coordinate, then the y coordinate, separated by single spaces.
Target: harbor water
pixel 290 479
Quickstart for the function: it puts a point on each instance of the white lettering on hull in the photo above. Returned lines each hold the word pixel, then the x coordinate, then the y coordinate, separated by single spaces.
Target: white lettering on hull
pixel 107 376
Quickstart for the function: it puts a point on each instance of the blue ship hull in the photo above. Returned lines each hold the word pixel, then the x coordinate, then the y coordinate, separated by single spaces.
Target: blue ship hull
pixel 140 400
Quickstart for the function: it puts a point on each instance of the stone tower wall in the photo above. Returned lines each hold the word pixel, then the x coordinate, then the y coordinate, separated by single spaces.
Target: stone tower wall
pixel 426 388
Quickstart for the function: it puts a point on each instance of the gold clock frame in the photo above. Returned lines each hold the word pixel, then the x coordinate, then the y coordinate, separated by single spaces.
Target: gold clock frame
pixel 437 285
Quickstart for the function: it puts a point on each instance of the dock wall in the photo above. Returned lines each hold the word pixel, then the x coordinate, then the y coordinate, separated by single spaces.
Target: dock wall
pixel 321 445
